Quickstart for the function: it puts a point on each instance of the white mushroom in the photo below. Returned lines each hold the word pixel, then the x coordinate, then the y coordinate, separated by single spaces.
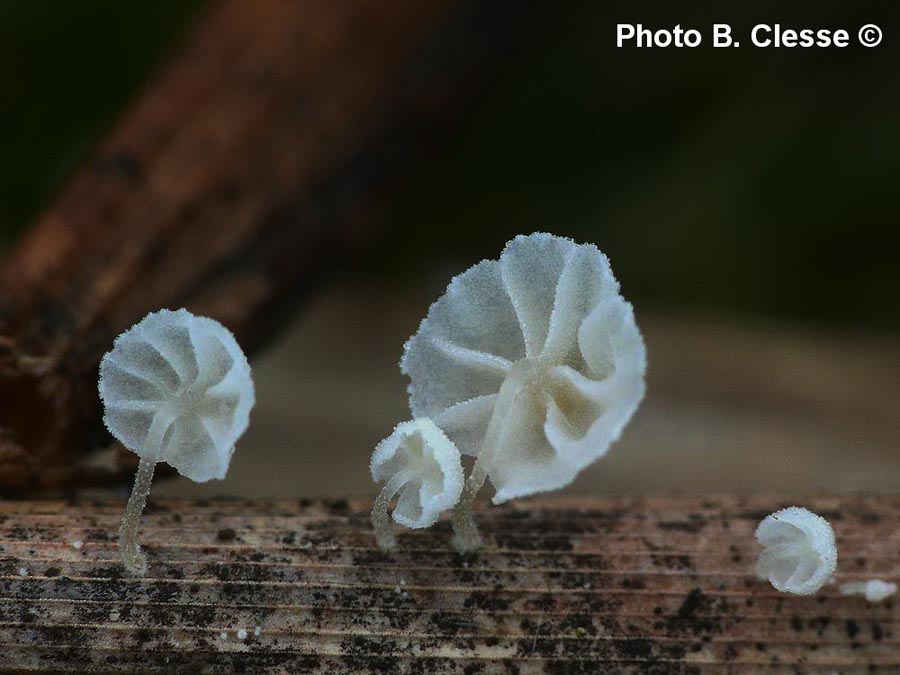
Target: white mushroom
pixel 799 554
pixel 874 590
pixel 422 464
pixel 532 363
pixel 176 388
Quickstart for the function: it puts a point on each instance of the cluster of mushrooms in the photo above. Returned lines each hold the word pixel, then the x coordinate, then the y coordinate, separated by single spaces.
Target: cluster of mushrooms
pixel 531 364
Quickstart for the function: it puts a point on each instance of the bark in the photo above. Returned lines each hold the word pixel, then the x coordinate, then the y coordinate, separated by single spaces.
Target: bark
pixel 569 585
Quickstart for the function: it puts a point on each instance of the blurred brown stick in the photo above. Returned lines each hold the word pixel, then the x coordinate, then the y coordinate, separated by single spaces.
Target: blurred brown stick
pixel 659 586
pixel 260 158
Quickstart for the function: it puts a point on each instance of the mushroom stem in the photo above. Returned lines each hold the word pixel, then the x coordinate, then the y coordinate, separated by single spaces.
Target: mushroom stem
pixel 465 532
pixel 132 556
pixel 380 521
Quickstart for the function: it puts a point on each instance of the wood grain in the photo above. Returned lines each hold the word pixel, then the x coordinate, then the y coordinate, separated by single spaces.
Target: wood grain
pixel 567 585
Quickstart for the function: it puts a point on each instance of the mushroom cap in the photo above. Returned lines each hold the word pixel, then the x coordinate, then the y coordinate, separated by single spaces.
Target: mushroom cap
pixel 874 590
pixel 547 317
pixel 799 553
pixel 420 448
pixel 189 374
pixel 877 590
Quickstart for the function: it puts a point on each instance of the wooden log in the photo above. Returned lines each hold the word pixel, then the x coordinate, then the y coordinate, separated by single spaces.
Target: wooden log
pixel 261 158
pixel 564 585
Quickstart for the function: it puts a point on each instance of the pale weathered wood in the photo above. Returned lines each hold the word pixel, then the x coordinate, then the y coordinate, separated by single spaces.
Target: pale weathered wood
pixel 658 585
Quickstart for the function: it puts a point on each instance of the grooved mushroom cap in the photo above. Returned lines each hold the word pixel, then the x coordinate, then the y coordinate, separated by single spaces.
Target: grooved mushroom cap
pixel 188 373
pixel 799 554
pixel 546 318
pixel 431 464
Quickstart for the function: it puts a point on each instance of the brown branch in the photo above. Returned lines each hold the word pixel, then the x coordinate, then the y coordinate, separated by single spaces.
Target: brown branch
pixel 573 585
pixel 261 158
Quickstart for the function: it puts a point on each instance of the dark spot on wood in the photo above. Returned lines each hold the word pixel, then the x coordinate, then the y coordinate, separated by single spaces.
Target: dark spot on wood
pixel 820 623
pixel 226 534
pixel 339 505
pixel 691 602
pixel 156 507
pixel 637 648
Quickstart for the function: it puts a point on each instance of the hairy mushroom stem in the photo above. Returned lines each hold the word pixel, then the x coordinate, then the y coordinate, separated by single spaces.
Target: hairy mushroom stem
pixel 133 558
pixel 465 532
pixel 380 521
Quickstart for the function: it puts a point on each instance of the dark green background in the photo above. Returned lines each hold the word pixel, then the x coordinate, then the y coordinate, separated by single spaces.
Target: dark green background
pixel 742 180
pixel 66 71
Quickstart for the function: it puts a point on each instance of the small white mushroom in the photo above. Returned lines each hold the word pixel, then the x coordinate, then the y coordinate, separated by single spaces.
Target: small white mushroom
pixel 874 590
pixel 422 464
pixel 176 388
pixel 799 553
pixel 532 363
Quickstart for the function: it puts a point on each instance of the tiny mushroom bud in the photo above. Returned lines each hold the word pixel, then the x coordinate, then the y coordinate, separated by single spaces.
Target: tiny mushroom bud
pixel 799 554
pixel 422 464
pixel 874 590
pixel 176 388
pixel 531 363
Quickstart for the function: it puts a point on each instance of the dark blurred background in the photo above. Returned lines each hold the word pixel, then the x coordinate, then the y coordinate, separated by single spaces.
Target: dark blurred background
pixel 746 197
